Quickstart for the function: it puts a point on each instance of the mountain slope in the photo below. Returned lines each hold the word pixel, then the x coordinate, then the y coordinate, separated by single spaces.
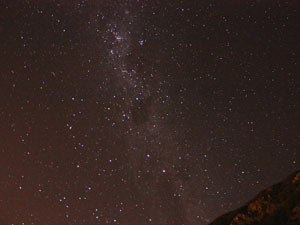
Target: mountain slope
pixel 278 204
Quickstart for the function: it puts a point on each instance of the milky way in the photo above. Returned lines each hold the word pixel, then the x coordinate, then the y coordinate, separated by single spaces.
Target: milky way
pixel 147 138
pixel 144 112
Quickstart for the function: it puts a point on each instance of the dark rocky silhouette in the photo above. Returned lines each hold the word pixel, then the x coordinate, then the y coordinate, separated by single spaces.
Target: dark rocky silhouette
pixel 278 204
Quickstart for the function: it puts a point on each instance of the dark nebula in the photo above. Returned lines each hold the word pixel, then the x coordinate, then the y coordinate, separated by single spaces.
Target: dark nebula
pixel 141 110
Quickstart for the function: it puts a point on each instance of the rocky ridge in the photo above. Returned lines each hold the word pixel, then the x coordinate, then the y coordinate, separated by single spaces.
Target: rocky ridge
pixel 278 204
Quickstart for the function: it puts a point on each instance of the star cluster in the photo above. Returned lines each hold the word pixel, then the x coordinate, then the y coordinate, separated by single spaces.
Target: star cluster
pixel 144 112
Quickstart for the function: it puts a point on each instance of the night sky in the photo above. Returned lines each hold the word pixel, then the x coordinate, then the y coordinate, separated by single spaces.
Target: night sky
pixel 137 112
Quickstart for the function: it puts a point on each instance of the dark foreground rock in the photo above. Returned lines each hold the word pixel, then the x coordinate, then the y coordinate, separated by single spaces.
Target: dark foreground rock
pixel 278 204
